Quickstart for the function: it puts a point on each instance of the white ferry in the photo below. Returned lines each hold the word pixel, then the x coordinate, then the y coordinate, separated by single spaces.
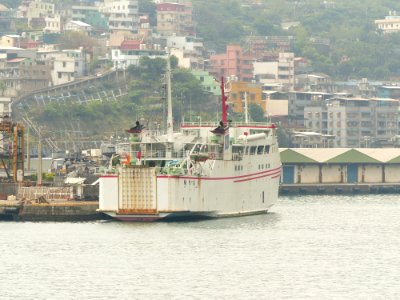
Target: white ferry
pixel 202 171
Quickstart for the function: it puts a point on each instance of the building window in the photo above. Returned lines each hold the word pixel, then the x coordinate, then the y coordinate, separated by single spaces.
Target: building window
pixel 59 75
pixel 64 64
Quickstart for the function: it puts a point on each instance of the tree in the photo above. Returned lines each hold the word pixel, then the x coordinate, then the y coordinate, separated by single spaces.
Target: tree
pixel 3 87
pixel 74 40
pixel 148 7
pixel 256 113
pixel 283 138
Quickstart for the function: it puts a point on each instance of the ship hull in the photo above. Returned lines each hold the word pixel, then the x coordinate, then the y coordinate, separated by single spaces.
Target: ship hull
pixel 179 216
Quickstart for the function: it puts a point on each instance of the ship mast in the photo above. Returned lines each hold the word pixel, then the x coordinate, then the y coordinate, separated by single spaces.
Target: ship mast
pixel 246 109
pixel 170 128
pixel 223 98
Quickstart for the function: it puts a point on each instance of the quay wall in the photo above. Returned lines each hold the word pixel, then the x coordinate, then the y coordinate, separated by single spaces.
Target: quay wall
pixel 84 211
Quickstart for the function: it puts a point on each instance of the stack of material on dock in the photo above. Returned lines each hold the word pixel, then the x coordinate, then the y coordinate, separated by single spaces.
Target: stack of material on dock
pixel 48 193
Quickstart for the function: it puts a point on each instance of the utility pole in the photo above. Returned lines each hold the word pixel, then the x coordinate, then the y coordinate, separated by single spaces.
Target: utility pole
pixel 39 175
pixel 28 149
pixel 170 129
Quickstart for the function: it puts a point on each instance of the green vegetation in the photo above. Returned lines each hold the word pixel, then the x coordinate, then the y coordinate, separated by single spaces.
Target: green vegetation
pixel 74 40
pixel 355 48
pixel 3 87
pixel 146 99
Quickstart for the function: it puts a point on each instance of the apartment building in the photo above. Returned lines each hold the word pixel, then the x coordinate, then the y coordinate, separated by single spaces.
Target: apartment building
pixel 174 19
pixel 189 51
pixel 67 65
pixel 298 101
pixel 279 71
pixel 54 24
pixel 242 92
pixel 355 122
pixel 235 63
pixel 122 15
pixel 37 11
pixel 7 20
pixel 266 48
pixel 389 24
pixel 130 52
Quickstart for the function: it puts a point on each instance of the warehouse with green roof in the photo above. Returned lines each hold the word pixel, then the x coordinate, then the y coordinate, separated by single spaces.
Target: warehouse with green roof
pixel 340 165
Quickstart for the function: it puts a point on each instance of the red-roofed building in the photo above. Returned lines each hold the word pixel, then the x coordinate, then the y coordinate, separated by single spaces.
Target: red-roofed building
pixel 28 44
pixel 130 45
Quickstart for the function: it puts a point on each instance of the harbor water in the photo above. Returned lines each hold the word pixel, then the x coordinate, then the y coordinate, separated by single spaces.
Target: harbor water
pixel 307 247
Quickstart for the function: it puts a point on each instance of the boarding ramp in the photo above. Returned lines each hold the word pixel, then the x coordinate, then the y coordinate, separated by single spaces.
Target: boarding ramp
pixel 137 190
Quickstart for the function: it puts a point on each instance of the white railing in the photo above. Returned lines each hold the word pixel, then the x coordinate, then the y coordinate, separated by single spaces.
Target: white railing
pixel 233 124
pixel 162 154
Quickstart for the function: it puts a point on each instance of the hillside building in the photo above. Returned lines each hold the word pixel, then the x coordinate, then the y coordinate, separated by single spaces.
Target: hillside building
pixel 235 64
pixel 240 92
pixel 175 19
pixel 7 20
pixel 37 11
pixel 279 71
pixel 188 50
pixel 122 15
pixel 355 122
pixel 390 24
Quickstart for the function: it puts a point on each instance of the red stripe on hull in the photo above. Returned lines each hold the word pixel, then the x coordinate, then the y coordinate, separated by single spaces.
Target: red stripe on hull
pixel 258 177
pixel 268 172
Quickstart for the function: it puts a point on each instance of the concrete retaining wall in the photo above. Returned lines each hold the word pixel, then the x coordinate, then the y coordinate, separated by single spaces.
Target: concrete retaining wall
pixel 60 212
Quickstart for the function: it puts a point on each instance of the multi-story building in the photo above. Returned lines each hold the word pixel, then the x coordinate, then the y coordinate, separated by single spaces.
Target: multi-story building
pixel 22 74
pixel 121 14
pixel 298 101
pixel 54 24
pixel 7 20
pixel 235 63
pixel 89 14
pixel 208 82
pixel 130 52
pixel 174 19
pixel 10 40
pixel 67 65
pixel 188 50
pixel 390 24
pixel 78 26
pixel 355 122
pixel 314 82
pixel 242 92
pixel 80 12
pixel 37 11
pixel 266 48
pixel 279 71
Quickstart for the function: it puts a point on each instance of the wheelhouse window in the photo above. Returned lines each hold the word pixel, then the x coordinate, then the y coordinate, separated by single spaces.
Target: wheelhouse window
pixel 253 150
pixel 260 150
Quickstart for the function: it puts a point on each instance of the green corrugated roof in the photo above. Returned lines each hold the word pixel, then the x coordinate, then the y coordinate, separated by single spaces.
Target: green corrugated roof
pixel 352 156
pixel 290 156
pixel 395 160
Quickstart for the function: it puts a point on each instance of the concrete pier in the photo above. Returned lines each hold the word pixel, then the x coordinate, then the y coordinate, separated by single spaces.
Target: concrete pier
pixel 334 189
pixel 53 211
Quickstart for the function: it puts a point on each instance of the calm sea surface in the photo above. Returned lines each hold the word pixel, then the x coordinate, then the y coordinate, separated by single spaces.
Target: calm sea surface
pixel 309 247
